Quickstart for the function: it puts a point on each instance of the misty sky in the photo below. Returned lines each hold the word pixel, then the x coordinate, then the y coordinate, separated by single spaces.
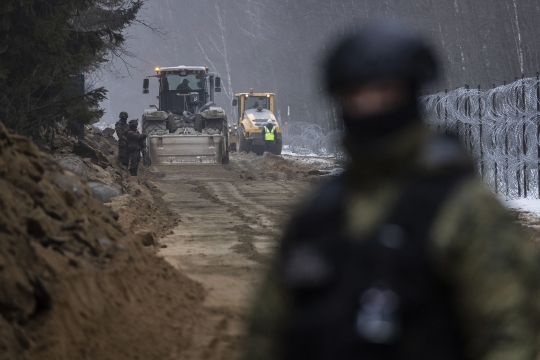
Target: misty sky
pixel 277 46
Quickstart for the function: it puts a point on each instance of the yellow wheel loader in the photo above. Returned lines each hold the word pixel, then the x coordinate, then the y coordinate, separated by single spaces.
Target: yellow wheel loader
pixel 254 111
pixel 187 127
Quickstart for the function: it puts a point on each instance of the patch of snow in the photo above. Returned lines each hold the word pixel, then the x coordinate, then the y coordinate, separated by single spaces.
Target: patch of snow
pixel 528 205
pixel 286 151
pixel 335 172
pixel 321 162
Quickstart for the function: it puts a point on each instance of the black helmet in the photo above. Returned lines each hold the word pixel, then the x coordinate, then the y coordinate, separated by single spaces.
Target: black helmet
pixel 123 114
pixel 133 123
pixel 378 52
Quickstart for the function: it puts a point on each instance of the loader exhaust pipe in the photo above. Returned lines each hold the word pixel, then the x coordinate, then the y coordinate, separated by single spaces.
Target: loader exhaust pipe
pixel 206 106
pixel 212 76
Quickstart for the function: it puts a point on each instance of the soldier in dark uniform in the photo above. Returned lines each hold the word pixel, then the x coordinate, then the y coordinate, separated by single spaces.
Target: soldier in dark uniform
pixel 121 127
pixel 407 255
pixel 135 142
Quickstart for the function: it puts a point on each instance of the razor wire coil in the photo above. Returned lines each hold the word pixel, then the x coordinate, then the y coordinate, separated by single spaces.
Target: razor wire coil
pixel 500 127
pixel 305 138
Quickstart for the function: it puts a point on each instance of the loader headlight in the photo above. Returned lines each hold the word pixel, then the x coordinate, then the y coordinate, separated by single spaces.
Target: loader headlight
pixel 157 70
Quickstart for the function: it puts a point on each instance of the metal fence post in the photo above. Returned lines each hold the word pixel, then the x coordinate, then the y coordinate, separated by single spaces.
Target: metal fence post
pixel 524 144
pixel 481 134
pixel 496 165
pixel 518 171
pixel 506 170
pixel 538 131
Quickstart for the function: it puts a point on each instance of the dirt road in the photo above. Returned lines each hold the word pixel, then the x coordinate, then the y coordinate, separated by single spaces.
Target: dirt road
pixel 231 217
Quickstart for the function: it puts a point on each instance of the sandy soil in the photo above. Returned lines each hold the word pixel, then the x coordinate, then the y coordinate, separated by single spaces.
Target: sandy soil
pixel 80 280
pixel 231 217
pixel 75 283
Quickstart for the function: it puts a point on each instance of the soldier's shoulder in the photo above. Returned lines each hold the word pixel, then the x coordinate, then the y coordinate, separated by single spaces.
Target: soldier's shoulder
pixel 471 210
pixel 444 154
pixel 472 194
pixel 322 203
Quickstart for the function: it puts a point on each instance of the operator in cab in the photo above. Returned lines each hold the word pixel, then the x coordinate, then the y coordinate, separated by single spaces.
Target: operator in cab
pixel 183 86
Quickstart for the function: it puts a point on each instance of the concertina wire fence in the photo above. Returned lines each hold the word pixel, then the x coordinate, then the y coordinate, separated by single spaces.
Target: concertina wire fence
pixel 500 127
pixel 304 138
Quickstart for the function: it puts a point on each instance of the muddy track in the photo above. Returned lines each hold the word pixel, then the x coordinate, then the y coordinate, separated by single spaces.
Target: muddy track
pixel 231 218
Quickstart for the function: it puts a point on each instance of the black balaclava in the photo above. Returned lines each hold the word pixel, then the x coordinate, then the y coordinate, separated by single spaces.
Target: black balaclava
pixel 371 128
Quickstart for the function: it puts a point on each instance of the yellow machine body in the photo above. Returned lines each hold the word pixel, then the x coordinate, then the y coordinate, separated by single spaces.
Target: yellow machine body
pixel 254 110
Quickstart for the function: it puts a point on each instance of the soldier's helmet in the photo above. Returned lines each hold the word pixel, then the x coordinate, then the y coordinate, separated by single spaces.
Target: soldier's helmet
pixel 123 114
pixel 382 51
pixel 133 123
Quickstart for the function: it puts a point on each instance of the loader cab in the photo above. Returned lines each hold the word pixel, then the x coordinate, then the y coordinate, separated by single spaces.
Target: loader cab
pixel 182 89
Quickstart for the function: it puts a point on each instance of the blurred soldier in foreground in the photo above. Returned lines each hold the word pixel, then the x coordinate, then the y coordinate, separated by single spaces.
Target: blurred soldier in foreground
pixel 269 136
pixel 121 127
pixel 135 142
pixel 407 255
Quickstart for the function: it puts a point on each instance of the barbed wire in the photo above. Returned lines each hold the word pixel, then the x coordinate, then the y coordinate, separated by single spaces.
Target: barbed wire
pixel 500 127
pixel 304 138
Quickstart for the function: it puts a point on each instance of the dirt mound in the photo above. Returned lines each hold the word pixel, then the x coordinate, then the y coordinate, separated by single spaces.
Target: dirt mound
pixel 142 208
pixel 93 158
pixel 139 205
pixel 72 284
pixel 273 167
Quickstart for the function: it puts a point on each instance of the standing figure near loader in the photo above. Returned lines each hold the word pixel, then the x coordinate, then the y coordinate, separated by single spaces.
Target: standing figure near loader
pixel 406 255
pixel 121 127
pixel 135 141
pixel 269 136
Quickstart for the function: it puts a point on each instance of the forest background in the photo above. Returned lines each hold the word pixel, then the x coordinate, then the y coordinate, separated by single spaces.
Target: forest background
pixel 267 45
pixel 277 46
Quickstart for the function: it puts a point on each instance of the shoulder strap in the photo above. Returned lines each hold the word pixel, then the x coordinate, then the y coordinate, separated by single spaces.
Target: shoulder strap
pixel 422 197
pixel 324 212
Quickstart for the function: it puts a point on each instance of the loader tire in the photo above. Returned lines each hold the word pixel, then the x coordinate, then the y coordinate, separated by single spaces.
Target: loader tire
pixel 278 147
pixel 258 149
pixel 146 154
pixel 225 158
pixel 146 160
pixel 243 144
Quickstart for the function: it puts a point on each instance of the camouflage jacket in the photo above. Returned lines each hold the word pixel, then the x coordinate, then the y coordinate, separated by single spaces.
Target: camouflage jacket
pixel 134 140
pixel 121 127
pixel 475 246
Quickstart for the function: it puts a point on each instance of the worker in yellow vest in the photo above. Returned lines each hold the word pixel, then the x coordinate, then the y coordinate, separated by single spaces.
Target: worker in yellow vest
pixel 269 136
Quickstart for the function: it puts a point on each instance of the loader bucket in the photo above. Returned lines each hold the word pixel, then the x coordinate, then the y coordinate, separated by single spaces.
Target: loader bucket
pixel 186 149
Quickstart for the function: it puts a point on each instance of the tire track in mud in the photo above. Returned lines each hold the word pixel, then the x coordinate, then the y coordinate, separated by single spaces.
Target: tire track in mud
pixel 222 193
pixel 231 218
